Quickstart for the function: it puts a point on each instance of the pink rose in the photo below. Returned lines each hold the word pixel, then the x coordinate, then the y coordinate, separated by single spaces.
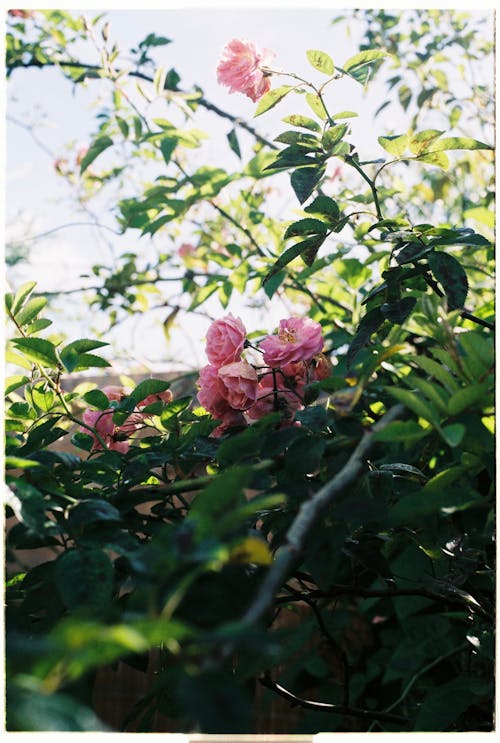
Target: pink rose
pixel 240 68
pixel 275 393
pixel 298 339
pixel 225 340
pixel 240 384
pixel 113 392
pixel 211 392
pixel 112 435
pixel 165 396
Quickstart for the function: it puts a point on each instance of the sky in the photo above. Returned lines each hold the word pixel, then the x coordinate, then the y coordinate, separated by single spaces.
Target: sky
pixel 37 199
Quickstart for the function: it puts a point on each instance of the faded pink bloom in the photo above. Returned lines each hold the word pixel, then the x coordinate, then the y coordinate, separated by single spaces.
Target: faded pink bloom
pixel 229 420
pixel 186 251
pixel 240 68
pixel 111 434
pixel 321 367
pixel 21 13
pixel 298 339
pixel 80 153
pixel 211 392
pixel 225 340
pixel 114 392
pixel 240 384
pixel 61 165
pixel 275 393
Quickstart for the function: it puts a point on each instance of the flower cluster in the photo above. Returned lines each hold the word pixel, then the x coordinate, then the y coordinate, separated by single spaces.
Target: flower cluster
pixel 115 437
pixel 235 391
pixel 242 68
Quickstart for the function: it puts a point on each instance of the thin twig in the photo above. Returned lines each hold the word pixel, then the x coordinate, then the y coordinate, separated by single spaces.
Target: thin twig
pixel 337 709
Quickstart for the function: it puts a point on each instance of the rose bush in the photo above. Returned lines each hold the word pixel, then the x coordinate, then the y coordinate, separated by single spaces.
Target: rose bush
pixel 306 524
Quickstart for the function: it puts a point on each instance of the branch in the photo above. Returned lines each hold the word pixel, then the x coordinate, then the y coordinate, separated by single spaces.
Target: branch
pixel 200 101
pixel 309 514
pixel 338 709
pixel 459 599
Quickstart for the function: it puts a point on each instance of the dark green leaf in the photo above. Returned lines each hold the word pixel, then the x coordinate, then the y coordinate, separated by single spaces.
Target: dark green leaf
pixel 167 147
pixel 368 325
pixel 306 226
pixel 324 206
pixel 398 311
pixel 304 181
pixel 98 145
pixel 97 399
pixel 451 276
pixel 71 353
pixel 233 143
pixel 84 578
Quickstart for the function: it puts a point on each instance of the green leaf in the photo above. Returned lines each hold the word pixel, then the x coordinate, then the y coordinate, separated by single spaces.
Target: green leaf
pixel 420 142
pixel 359 65
pixel 223 494
pixel 398 311
pixel 14 382
pixel 233 143
pixel 423 408
pixel 304 181
pixel 459 143
pixel 326 207
pixel 475 396
pixel 404 431
pixel 39 350
pixel 445 703
pixel 395 145
pixel 320 61
pixel 30 310
pixel 84 578
pixel 305 248
pixel 21 294
pixel 97 399
pixel 333 135
pixel 439 159
pixel 302 121
pixel 98 145
pixel 453 434
pixel 270 99
pixel 452 277
pixel 306 226
pixel 315 103
pixel 167 147
pixel 344 115
pixel 144 389
pixel 367 326
pixel 71 355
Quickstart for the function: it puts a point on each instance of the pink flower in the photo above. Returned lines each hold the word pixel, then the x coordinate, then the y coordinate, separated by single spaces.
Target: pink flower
pixel 240 384
pixel 298 339
pixel 111 434
pixel 186 251
pixel 80 153
pixel 276 393
pixel 113 392
pixel 225 340
pixel 240 68
pixel 165 396
pixel 211 392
